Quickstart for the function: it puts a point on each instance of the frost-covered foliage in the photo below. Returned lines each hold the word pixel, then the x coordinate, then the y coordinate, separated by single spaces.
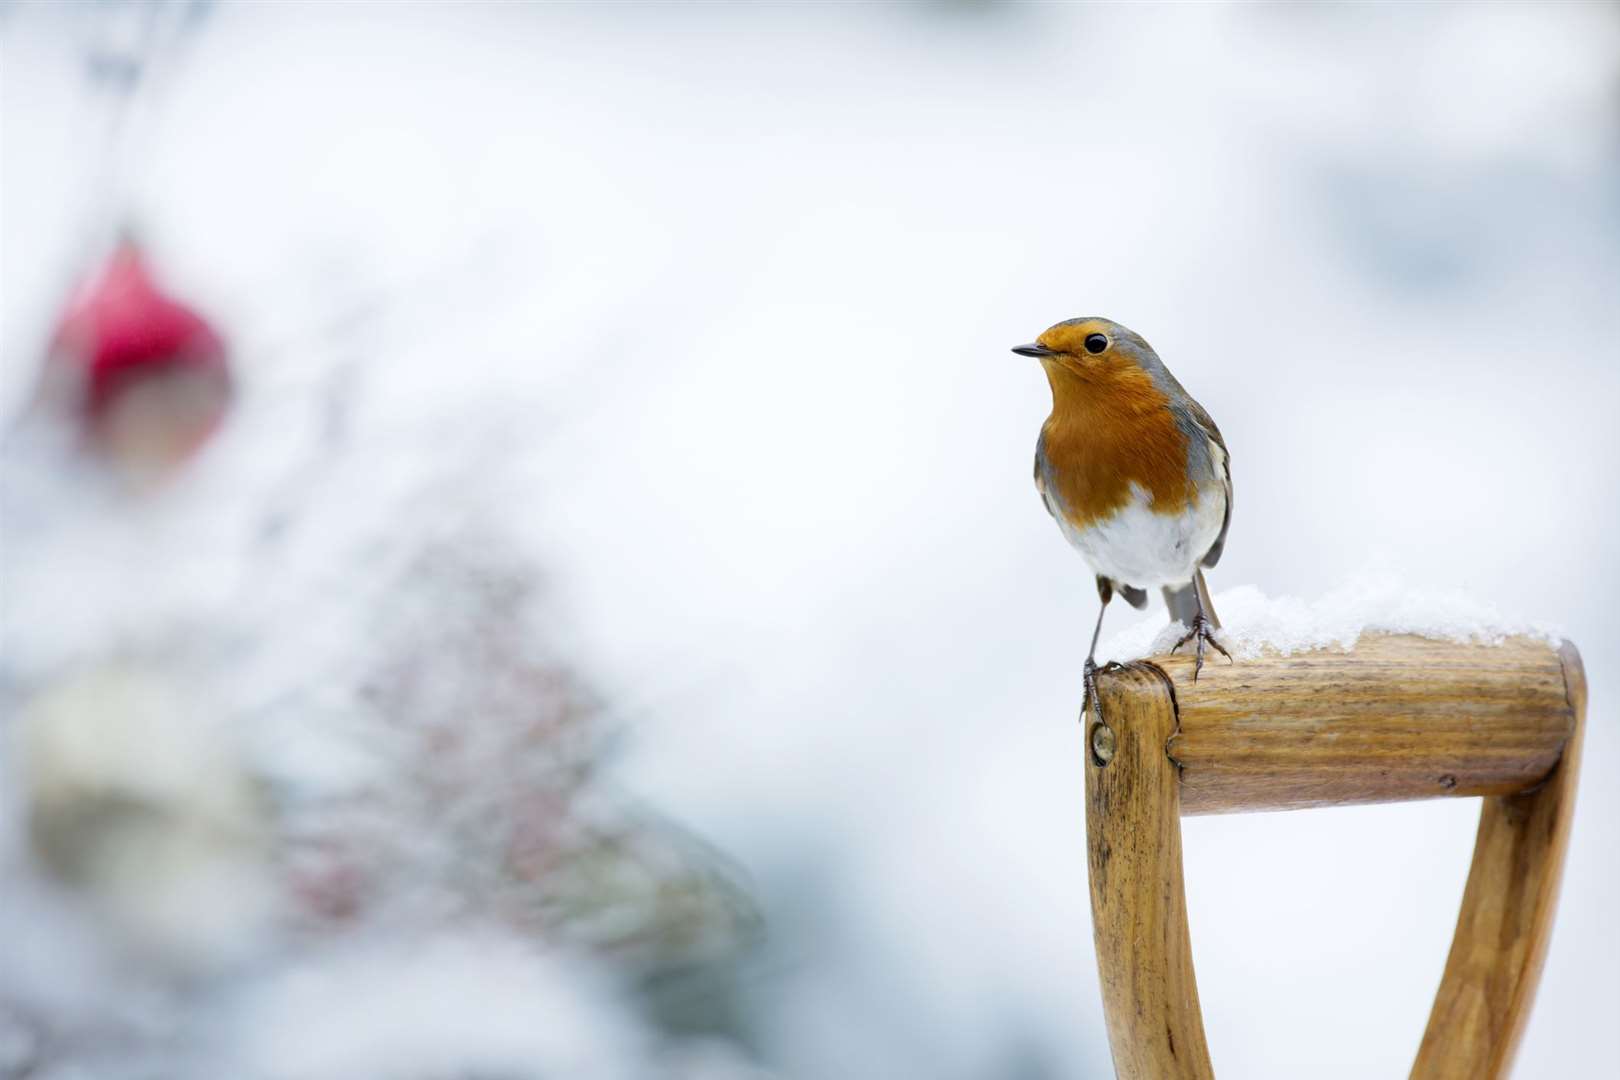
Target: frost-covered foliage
pixel 406 864
pixel 402 861
pixel 299 780
pixel 1253 623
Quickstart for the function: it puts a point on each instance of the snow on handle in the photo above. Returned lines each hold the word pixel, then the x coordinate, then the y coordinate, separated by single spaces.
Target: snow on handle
pixel 1253 624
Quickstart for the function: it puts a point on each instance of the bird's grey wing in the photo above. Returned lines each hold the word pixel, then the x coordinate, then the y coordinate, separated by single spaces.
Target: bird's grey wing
pixel 1207 426
pixel 1040 482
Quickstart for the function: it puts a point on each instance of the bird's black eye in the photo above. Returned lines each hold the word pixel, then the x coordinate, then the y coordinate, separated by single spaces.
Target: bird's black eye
pixel 1096 343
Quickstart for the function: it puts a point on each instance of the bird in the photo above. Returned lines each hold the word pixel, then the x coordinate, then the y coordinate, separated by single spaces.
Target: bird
pixel 1134 472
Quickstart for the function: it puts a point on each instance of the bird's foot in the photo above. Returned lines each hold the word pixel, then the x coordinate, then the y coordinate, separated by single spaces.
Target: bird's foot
pixel 1092 702
pixel 1202 630
pixel 1090 699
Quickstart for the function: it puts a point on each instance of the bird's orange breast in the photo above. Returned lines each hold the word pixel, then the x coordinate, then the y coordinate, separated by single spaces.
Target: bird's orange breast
pixel 1111 428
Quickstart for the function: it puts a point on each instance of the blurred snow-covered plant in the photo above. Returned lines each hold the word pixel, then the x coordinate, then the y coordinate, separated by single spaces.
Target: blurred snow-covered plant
pixel 298 780
pixel 209 816
pixel 218 820
pixel 493 800
pixel 136 801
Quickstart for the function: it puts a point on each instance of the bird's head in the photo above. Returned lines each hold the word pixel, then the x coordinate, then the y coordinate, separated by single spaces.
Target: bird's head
pixel 1090 346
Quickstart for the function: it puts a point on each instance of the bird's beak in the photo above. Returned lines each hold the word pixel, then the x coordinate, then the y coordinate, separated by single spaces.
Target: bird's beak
pixel 1034 349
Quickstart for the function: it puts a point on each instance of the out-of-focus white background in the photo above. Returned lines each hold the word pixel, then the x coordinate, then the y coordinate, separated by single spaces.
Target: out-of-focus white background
pixel 705 310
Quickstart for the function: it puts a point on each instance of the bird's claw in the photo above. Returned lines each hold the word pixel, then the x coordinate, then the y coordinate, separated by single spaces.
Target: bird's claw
pixel 1203 630
pixel 1092 701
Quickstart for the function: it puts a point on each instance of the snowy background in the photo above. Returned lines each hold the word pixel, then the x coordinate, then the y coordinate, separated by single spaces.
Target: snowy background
pixel 656 357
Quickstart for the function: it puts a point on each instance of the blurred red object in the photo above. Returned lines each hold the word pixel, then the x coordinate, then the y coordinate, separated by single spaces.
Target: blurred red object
pixel 146 376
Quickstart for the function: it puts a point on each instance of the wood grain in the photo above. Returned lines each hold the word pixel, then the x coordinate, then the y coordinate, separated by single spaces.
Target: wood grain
pixel 1138 907
pixel 1398 718
pixel 1506 919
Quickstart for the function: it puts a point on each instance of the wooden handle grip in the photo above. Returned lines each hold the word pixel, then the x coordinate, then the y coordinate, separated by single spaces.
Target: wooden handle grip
pixel 1398 718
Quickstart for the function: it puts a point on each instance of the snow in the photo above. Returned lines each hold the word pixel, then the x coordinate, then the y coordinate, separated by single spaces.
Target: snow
pixel 1253 623
pixel 474 1003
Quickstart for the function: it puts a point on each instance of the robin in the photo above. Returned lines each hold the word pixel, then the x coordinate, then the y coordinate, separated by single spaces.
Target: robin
pixel 1134 472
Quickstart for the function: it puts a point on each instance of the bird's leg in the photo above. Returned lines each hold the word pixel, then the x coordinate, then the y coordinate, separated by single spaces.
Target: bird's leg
pixel 1105 593
pixel 1203 630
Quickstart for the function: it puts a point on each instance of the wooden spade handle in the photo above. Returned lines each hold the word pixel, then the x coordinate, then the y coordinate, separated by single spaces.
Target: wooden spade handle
pixel 1398 718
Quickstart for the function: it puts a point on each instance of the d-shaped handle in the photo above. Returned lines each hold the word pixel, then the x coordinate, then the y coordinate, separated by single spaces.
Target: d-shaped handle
pixel 1397 718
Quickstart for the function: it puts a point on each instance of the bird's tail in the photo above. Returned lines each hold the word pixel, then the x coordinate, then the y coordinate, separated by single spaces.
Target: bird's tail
pixel 1183 602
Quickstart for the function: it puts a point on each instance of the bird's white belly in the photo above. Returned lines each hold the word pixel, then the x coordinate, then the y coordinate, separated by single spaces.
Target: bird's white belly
pixel 1137 546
